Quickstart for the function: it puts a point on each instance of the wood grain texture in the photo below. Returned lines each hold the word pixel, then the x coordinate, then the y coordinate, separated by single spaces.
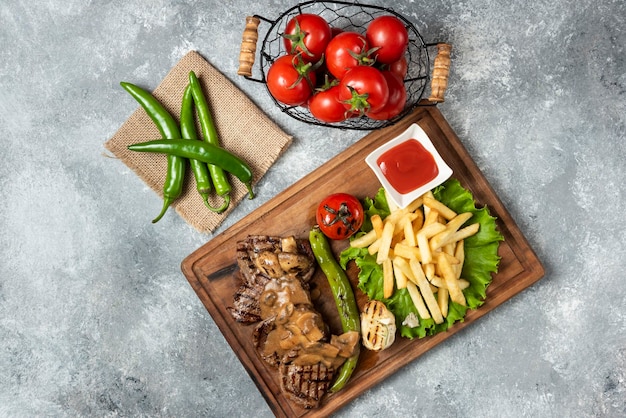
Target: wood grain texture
pixel 292 212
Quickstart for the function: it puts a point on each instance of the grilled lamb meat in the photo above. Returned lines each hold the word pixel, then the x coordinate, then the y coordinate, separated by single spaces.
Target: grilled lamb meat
pixel 259 337
pixel 262 258
pixel 246 307
pixel 275 257
pixel 306 384
pixel 290 335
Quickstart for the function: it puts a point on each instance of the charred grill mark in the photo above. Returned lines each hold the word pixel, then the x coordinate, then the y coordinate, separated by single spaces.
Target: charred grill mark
pixel 306 385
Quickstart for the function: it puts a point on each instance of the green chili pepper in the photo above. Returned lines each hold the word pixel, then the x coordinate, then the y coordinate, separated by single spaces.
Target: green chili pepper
pixel 209 132
pixel 167 126
pixel 201 151
pixel 344 299
pixel 199 168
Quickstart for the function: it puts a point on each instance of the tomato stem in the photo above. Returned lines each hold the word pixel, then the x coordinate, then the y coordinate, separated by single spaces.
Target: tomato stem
pixel 304 69
pixel 358 102
pixel 297 40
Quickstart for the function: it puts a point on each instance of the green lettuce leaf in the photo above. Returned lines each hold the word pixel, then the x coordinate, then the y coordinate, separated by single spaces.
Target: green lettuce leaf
pixel 481 261
pixel 371 207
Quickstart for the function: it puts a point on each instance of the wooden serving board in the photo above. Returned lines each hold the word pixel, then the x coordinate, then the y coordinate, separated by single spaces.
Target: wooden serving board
pixel 210 269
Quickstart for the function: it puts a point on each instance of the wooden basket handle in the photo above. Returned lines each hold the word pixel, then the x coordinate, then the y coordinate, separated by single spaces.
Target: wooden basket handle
pixel 249 40
pixel 441 70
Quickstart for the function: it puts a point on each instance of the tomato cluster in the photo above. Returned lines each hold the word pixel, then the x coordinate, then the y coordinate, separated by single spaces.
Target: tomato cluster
pixel 342 74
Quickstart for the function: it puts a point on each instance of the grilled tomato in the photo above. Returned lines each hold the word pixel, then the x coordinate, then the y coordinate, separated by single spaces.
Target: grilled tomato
pixel 339 215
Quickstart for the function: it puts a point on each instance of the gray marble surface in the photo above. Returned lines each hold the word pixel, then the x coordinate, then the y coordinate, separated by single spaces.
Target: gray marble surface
pixel 96 318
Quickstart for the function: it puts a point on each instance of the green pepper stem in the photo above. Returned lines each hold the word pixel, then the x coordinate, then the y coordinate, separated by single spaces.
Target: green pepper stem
pixel 250 191
pixel 221 208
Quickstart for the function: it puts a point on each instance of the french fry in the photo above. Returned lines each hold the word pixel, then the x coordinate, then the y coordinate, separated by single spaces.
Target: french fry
pixel 388 278
pixel 430 217
pixel 463 284
pixel 459 254
pixel 415 205
pixel 364 240
pixel 451 281
pixel 409 236
pixel 432 229
pixel 427 294
pixel 418 223
pixel 422 240
pixel 385 243
pixel 440 283
pixel 406 218
pixel 401 278
pixel 377 223
pixel 422 243
pixel 436 270
pixel 429 270
pixel 375 246
pixel 416 297
pixel 451 259
pixel 426 208
pixel 403 265
pixel 428 195
pixel 442 300
pixel 449 248
pixel 395 216
pixel 406 251
pixel 443 210
pixel 459 235
pixel 458 221
pixel 443 237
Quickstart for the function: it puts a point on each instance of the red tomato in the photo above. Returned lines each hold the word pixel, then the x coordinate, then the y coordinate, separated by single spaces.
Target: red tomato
pixel 390 35
pixel 400 67
pixel 326 107
pixel 395 102
pixel 339 215
pixel 290 81
pixel 363 89
pixel 308 34
pixel 344 51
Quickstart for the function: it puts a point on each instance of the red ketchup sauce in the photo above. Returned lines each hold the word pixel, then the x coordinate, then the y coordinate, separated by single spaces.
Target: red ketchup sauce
pixel 408 166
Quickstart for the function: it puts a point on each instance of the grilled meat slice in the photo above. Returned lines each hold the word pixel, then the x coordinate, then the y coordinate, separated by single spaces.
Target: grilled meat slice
pixel 306 385
pixel 246 308
pixel 259 337
pixel 275 257
pixel 261 258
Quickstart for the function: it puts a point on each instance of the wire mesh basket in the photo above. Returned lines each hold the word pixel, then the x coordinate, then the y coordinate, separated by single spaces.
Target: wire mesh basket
pixel 348 17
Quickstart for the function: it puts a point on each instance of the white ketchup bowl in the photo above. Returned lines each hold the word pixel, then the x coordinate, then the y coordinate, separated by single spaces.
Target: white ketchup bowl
pixel 407 169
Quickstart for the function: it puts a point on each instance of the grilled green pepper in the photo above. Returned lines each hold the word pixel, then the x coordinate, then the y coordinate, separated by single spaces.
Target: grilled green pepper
pixel 344 299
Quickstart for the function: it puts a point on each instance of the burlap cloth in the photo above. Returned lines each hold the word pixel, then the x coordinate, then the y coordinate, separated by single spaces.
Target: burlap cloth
pixel 242 127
